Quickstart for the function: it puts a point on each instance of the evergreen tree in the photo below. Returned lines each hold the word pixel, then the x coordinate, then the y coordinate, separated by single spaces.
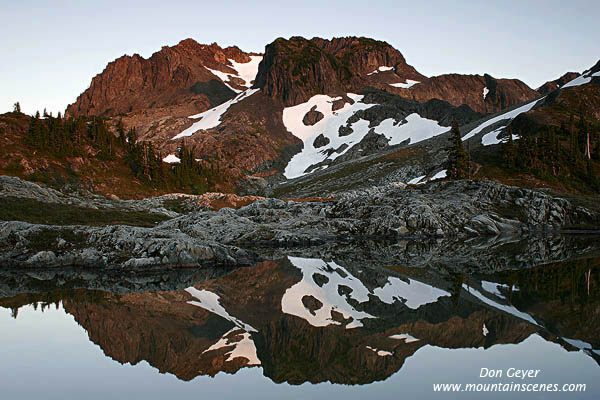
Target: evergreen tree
pixel 121 131
pixel 457 157
pixel 596 153
pixel 509 149
pixel 573 142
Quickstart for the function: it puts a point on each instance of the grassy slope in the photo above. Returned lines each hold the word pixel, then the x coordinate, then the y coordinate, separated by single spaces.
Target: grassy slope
pixel 99 175
pixel 383 165
pixel 37 212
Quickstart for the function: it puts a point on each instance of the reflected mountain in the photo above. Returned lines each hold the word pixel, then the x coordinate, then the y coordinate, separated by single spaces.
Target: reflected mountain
pixel 315 320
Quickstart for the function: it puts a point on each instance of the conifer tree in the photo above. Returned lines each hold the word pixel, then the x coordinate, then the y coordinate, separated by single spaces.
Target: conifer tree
pixel 509 149
pixel 596 153
pixel 121 131
pixel 457 157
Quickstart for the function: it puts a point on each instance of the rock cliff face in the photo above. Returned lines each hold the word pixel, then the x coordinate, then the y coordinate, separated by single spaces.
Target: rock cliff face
pixel 133 83
pixel 555 84
pixel 294 70
pixel 169 334
pixel 483 94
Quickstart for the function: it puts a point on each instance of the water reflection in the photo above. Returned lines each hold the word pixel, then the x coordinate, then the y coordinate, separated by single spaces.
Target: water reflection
pixel 311 320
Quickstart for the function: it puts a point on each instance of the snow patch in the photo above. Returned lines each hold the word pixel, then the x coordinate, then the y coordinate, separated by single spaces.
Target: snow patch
pixel 502 307
pixel 415 181
pixel 404 336
pixel 244 347
pixel 580 344
pixel 405 85
pixel 210 302
pixel 381 353
pixel 580 80
pixel 245 71
pixel 381 69
pixel 413 293
pixel 327 294
pixel 171 158
pixel 491 138
pixel 413 128
pixel 442 174
pixel 224 76
pixel 328 126
pixel 212 118
pixel 492 287
pixel 510 115
pixel 485 92
pixel 419 179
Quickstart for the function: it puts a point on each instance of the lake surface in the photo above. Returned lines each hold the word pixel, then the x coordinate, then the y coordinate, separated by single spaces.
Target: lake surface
pixel 306 328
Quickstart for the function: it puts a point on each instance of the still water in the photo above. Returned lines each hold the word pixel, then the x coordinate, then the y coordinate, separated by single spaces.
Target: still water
pixel 306 328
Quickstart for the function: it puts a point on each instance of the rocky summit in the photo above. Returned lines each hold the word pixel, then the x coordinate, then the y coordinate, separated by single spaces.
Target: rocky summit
pixel 228 104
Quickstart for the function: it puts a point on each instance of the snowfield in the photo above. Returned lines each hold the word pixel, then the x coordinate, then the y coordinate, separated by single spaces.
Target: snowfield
pixel 502 307
pixel 419 179
pixel 212 118
pixel 224 76
pixel 413 129
pixel 327 294
pixel 491 138
pixel 328 126
pixel 406 337
pixel 245 71
pixel 244 347
pixel 405 85
pixel 381 69
pixel 413 294
pixel 581 80
pixel 171 158
pixel 380 353
pixel 211 302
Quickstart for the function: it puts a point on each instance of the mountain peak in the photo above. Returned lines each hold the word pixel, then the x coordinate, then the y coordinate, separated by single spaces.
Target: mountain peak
pixel 134 83
pixel 555 84
pixel 296 69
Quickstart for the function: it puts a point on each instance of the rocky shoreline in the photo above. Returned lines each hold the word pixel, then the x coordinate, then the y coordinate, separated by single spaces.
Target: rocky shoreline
pixel 438 212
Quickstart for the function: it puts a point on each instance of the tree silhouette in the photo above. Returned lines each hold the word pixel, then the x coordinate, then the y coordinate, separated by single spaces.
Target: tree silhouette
pixel 457 157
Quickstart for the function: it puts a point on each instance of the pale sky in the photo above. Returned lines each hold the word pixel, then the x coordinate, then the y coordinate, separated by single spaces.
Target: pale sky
pixel 52 49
